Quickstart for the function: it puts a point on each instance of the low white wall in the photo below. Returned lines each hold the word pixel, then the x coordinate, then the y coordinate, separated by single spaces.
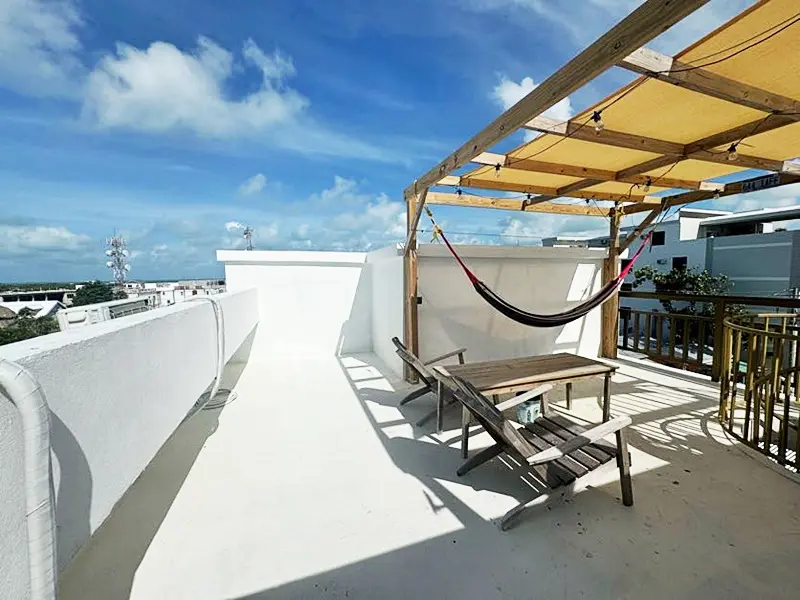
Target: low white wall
pixel 117 390
pixel 386 276
pixel 14 578
pixel 324 303
pixel 542 280
pixel 310 303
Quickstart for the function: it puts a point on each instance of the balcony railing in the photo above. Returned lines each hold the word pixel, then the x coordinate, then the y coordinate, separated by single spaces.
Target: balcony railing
pixel 759 384
pixel 687 341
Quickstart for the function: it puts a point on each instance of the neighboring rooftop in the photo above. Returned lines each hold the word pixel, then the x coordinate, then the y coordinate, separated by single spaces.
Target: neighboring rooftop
pixel 41 308
pixel 761 215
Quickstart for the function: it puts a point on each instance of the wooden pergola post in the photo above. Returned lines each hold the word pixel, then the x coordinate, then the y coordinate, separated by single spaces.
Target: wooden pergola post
pixel 414 206
pixel 610 309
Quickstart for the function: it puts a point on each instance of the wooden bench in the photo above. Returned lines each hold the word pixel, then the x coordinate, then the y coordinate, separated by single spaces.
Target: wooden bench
pixel 563 456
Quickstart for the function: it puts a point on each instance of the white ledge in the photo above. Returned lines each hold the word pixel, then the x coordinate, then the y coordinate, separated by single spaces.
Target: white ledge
pixel 521 252
pixel 292 257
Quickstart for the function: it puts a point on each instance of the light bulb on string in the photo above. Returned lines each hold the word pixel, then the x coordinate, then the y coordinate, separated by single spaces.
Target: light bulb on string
pixel 732 154
pixel 598 122
pixel 647 185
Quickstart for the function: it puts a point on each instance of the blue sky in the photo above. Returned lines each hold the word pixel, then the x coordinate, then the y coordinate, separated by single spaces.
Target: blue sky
pixel 177 122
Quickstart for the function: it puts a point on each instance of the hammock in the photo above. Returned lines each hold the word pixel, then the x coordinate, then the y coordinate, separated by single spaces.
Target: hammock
pixel 537 320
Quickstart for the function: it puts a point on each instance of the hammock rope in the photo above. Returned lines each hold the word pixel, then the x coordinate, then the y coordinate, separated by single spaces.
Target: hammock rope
pixel 540 320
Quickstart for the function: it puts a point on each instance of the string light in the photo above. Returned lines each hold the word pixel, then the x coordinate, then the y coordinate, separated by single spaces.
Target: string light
pixel 647 185
pixel 598 122
pixel 732 154
pixel 716 194
pixel 497 170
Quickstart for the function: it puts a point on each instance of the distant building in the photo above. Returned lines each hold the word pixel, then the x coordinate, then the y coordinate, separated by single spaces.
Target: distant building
pixel 560 241
pixel 82 316
pixel 64 296
pixel 173 292
pixel 9 311
pixel 757 256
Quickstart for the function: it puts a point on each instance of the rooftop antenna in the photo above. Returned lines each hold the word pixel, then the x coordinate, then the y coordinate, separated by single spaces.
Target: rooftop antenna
pixel 117 253
pixel 248 235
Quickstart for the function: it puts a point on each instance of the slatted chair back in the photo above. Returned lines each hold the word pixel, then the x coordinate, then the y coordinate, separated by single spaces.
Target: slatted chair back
pixel 489 417
pixel 412 361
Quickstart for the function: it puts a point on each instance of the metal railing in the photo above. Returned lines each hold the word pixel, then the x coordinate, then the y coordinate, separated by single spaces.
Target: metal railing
pixel 759 384
pixel 684 340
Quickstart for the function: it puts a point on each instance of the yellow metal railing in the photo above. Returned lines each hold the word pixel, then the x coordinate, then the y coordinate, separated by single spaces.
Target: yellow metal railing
pixel 759 383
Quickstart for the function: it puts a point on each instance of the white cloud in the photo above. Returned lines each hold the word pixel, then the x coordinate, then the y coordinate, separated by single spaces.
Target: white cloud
pixel 232 226
pixel 507 93
pixel 39 46
pixel 162 88
pixel 382 216
pixel 26 239
pixel 254 185
pixel 584 22
pixel 342 190
pixel 159 252
pixel 529 229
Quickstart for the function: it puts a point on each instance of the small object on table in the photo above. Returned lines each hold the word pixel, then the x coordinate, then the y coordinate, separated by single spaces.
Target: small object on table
pixel 529 411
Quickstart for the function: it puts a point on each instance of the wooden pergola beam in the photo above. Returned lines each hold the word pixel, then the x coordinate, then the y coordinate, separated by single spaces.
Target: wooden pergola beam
pixel 634 31
pixel 608 137
pixel 665 68
pixel 515 205
pixel 550 193
pixel 601 175
pixel 639 229
pixel 746 186
pixel 670 151
pixel 702 149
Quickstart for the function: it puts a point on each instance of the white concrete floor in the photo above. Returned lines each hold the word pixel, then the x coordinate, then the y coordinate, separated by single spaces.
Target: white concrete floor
pixel 313 484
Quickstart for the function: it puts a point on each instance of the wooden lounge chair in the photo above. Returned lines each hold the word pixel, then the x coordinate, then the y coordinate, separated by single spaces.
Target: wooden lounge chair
pixel 427 380
pixel 563 455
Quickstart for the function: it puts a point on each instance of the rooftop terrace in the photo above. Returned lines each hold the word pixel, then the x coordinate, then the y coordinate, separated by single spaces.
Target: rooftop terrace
pixel 312 483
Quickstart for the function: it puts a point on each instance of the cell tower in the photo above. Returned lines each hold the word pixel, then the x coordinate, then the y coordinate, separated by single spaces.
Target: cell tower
pixel 117 254
pixel 248 235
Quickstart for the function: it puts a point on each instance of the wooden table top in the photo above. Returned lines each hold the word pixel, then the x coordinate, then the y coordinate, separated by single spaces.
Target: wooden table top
pixel 513 374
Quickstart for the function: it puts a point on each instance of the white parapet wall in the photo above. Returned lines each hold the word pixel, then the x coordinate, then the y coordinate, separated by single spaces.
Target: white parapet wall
pixel 311 304
pixel 536 279
pixel 386 276
pixel 14 574
pixel 117 391
pixel 328 303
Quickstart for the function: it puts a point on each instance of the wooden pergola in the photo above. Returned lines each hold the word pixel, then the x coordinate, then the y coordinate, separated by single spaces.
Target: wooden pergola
pixel 728 104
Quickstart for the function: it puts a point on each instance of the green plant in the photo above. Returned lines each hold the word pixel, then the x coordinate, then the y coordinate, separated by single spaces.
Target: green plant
pixel 684 281
pixel 25 326
pixel 97 291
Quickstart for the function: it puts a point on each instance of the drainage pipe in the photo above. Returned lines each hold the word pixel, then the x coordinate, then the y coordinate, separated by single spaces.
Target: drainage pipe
pixel 220 329
pixel 27 396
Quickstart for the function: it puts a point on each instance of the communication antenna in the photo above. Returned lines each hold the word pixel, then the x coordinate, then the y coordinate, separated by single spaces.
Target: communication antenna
pixel 248 235
pixel 117 253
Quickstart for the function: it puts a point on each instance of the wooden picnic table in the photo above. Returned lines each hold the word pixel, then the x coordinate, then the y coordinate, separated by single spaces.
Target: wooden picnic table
pixel 510 375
